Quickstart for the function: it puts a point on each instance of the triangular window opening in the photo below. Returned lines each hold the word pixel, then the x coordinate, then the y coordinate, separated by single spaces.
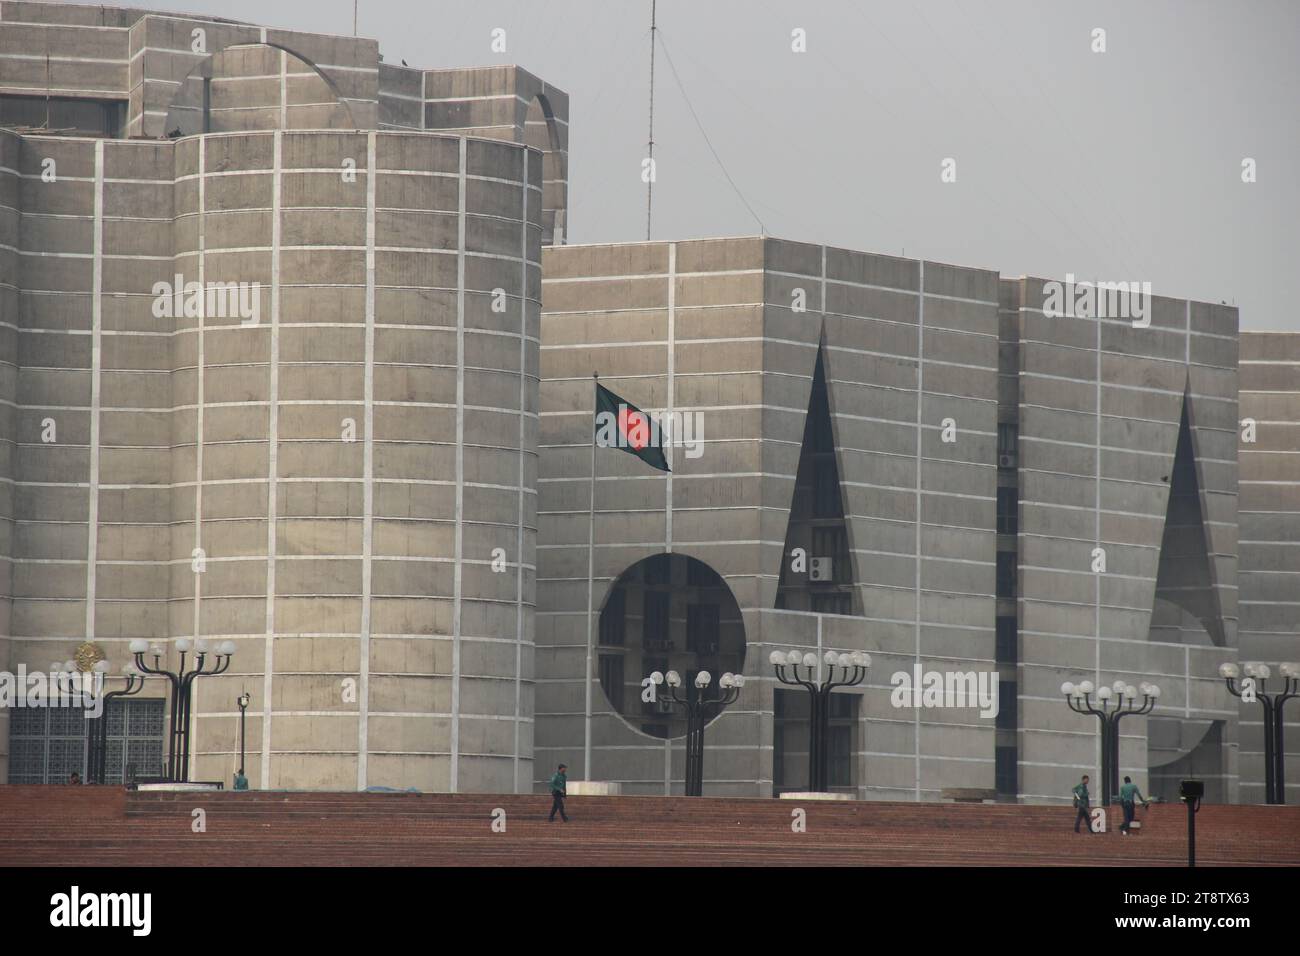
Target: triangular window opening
pixel 1185 595
pixel 824 580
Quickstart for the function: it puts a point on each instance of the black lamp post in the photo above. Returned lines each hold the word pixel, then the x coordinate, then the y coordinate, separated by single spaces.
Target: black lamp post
pixel 699 707
pixel 182 681
pixel 1190 792
pixel 1113 704
pixel 97 769
pixel 243 713
pixel 854 671
pixel 1274 748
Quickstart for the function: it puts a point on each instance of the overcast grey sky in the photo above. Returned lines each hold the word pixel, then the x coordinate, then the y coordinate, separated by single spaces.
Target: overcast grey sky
pixel 1117 165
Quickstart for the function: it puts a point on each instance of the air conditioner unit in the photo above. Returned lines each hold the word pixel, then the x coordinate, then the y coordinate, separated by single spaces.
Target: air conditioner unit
pixel 1006 461
pixel 821 569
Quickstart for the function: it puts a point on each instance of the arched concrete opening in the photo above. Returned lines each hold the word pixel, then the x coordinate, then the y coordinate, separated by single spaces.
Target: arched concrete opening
pixel 256 86
pixel 541 131
pixel 666 612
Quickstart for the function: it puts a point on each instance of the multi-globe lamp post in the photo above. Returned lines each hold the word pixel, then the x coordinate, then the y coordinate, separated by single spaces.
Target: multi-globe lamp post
pixel 696 706
pixel 182 684
pixel 799 669
pixel 1253 676
pixel 97 760
pixel 1113 703
pixel 78 681
pixel 71 679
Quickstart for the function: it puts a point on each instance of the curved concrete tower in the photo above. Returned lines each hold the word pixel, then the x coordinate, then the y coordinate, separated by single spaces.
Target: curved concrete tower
pixel 269 375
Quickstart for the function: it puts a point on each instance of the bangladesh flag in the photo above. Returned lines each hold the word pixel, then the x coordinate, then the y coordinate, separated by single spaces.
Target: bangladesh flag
pixel 620 424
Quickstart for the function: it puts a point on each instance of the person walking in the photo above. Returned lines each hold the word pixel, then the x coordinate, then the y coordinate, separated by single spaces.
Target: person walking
pixel 1126 795
pixel 559 790
pixel 1082 806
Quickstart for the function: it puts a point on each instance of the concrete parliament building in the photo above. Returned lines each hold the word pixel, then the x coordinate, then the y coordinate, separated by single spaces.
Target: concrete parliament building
pixel 369 465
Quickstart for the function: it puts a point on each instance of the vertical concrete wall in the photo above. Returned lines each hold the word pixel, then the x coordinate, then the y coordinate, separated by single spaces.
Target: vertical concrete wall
pixel 669 326
pixel 731 329
pixel 342 484
pixel 502 102
pixel 908 345
pixel 374 554
pixel 92 399
pixel 55 427
pixel 1100 405
pixel 10 266
pixel 129 468
pixel 1269 519
pixel 156 66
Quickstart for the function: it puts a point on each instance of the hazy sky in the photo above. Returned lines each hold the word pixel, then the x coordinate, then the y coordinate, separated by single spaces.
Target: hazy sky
pixel 1119 165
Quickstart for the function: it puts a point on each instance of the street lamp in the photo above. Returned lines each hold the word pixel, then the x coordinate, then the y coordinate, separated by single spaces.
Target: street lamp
pixel 697 705
pixel 182 681
pixel 1114 703
pixel 243 701
pixel 97 763
pixel 854 667
pixel 1274 750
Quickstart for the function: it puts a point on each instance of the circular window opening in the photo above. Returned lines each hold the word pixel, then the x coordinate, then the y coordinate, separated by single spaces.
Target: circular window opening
pixel 667 612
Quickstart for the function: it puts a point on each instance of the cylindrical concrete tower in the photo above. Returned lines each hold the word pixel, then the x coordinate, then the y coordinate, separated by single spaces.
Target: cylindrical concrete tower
pixel 282 390
pixel 355 454
pixel 269 375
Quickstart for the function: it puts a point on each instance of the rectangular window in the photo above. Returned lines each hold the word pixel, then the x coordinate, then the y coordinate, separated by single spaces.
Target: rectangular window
pixel 1008 439
pixel 1007 705
pixel 83 117
pixel 843 706
pixel 836 602
pixel 48 744
pixel 702 629
pixel 1008 507
pixel 135 739
pixel 658 570
pixel 833 543
pixel 840 756
pixel 660 705
pixel 1007 651
pixel 820 432
pixel 612 619
pixel 611 679
pixel 654 621
pixel 1004 770
pixel 1006 574
pixel 826 490
pixel 840 745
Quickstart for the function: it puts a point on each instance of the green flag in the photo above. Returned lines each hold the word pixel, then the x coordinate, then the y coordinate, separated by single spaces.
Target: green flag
pixel 620 424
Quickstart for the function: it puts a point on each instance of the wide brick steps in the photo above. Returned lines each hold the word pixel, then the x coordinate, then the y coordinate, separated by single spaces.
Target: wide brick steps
pixel 77 826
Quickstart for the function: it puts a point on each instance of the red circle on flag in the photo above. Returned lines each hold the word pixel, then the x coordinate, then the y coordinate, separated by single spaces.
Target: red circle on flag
pixel 634 428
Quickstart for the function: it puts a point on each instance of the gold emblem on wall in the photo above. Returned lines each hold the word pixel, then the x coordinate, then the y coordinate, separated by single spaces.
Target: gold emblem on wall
pixel 88 655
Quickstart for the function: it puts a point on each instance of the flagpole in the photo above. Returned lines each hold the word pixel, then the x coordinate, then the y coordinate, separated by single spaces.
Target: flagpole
pixel 591 552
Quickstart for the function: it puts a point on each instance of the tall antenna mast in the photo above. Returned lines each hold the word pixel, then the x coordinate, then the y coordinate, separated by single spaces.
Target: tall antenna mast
pixel 354 17
pixel 650 178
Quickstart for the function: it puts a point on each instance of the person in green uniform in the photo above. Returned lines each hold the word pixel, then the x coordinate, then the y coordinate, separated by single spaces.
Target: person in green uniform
pixel 559 789
pixel 1126 795
pixel 1082 806
pixel 241 782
